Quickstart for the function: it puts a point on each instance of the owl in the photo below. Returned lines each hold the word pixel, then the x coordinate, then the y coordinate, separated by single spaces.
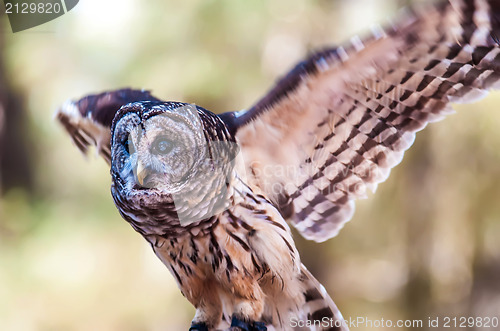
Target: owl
pixel 214 195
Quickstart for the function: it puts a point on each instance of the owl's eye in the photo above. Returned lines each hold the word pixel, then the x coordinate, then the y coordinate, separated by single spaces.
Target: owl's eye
pixel 162 146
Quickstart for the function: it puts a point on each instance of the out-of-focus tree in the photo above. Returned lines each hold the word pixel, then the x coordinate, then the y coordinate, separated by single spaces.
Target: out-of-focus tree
pixel 15 166
pixel 3 102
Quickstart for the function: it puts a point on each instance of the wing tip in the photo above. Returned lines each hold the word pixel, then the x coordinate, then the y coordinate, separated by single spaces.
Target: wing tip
pixel 330 227
pixel 68 108
pixel 71 118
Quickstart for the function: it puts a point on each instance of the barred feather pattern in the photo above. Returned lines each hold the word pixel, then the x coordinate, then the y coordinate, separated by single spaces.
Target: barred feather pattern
pixel 246 261
pixel 344 117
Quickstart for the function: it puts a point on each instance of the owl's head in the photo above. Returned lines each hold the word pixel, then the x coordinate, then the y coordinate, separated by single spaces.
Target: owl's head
pixel 170 156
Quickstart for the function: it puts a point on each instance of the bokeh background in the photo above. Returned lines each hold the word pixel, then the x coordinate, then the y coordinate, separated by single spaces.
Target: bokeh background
pixel 426 245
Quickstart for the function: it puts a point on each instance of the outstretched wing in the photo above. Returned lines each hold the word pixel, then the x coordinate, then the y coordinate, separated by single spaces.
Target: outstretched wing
pixel 88 120
pixel 338 122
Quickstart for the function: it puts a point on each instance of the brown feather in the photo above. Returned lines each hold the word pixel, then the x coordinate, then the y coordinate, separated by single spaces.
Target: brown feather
pixel 336 124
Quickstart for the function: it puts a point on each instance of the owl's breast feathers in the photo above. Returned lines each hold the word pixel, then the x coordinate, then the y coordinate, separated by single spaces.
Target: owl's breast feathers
pixel 244 254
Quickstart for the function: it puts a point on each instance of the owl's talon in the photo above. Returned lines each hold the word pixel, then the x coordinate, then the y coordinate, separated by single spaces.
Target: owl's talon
pixel 259 326
pixel 240 325
pixel 198 327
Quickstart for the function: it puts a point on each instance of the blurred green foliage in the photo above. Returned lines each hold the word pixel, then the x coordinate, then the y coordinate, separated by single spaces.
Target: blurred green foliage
pixel 425 245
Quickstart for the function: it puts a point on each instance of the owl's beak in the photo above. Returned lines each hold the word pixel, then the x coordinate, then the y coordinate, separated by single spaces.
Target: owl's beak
pixel 141 173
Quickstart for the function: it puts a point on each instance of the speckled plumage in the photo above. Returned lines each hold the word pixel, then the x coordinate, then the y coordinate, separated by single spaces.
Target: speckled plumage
pixel 328 132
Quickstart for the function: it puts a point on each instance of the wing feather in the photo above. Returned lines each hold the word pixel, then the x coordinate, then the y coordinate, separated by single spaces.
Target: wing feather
pixel 333 127
pixel 88 120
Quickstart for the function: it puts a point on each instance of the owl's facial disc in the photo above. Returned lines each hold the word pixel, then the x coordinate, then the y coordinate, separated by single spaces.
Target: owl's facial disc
pixel 179 153
pixel 164 151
